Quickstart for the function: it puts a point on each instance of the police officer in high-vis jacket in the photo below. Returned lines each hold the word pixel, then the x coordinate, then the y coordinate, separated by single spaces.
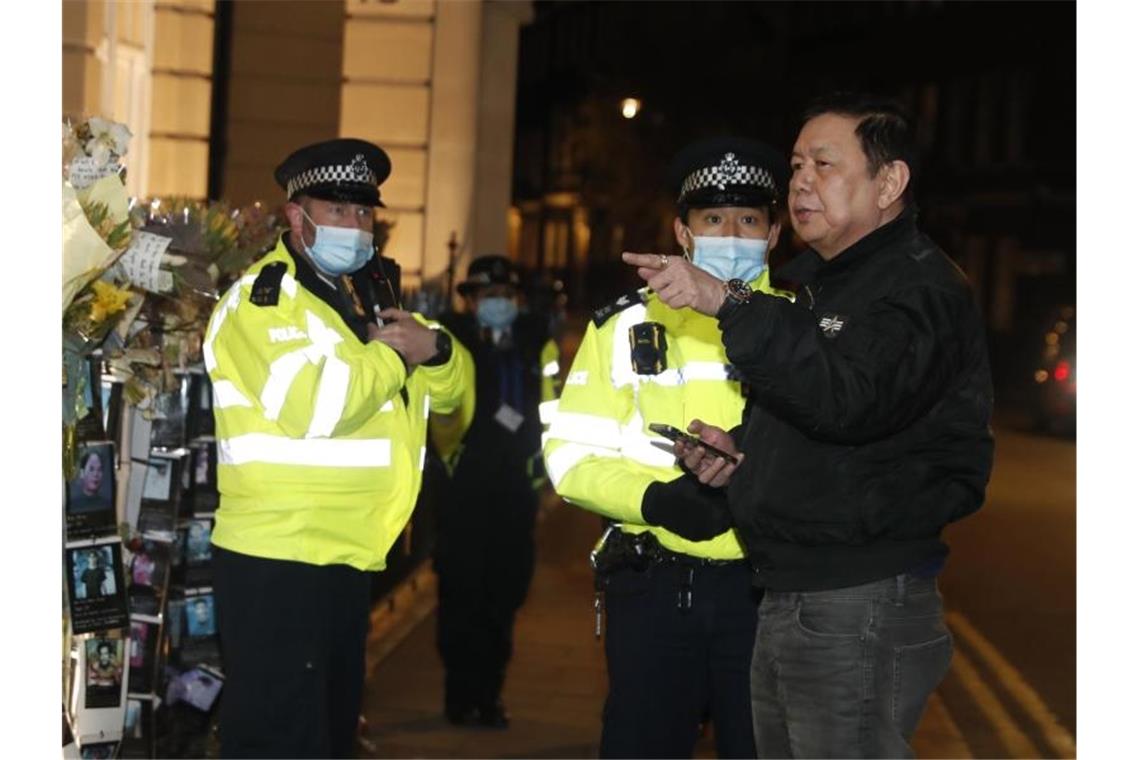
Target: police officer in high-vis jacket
pixel 680 610
pixel 321 407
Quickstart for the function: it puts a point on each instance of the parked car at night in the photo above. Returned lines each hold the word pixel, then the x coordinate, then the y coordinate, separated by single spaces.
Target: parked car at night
pixel 1054 392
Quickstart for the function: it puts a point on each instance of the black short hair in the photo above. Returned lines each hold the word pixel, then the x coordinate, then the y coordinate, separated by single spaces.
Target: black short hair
pixel 683 210
pixel 87 457
pixel 885 129
pixel 105 645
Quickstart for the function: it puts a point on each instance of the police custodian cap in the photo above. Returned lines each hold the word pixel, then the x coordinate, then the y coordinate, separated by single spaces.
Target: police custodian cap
pixel 728 171
pixel 345 169
pixel 491 269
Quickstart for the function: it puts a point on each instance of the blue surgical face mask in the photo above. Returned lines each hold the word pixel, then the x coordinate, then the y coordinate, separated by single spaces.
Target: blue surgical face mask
pixel 496 312
pixel 338 250
pixel 730 258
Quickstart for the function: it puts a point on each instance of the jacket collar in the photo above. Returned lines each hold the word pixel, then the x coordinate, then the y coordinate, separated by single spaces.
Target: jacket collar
pixel 809 266
pixel 305 273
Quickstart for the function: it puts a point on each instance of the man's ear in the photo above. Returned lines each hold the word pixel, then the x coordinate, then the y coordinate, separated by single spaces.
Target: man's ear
pixel 295 215
pixel 683 235
pixel 895 177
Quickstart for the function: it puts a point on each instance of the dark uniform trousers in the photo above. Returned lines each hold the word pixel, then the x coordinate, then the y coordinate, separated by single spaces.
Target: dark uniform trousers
pixel 670 669
pixel 485 561
pixel 293 638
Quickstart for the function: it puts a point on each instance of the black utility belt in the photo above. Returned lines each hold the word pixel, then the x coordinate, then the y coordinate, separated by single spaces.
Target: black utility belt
pixel 619 550
pixel 688 559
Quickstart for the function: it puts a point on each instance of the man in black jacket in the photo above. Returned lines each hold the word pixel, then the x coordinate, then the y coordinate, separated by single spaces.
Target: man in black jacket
pixel 867 431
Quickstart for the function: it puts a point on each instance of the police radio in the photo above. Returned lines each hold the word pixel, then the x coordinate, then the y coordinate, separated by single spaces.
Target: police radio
pixel 375 287
pixel 647 347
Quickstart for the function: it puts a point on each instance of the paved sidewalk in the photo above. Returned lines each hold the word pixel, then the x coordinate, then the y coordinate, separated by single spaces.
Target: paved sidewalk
pixel 557 679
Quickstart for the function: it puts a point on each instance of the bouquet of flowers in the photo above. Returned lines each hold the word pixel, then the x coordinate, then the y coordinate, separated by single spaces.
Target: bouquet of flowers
pixel 191 250
pixel 209 242
pixel 96 227
pixel 96 231
pixel 140 279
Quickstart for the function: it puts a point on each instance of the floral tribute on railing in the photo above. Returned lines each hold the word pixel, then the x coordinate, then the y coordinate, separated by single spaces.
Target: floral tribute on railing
pixel 140 280
pixel 140 277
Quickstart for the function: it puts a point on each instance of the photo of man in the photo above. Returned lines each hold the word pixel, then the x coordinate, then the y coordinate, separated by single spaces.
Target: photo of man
pixel 198 542
pixel 96 586
pixel 92 490
pixel 93 574
pixel 104 672
pixel 200 616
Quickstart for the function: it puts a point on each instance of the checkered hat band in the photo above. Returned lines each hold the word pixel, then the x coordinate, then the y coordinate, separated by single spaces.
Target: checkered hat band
pixel 324 175
pixel 715 176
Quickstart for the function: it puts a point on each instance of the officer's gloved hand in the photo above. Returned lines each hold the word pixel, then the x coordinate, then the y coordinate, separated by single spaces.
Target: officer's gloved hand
pixel 687 508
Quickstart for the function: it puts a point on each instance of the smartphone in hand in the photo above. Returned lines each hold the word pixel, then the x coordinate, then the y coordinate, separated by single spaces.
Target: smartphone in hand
pixel 673 434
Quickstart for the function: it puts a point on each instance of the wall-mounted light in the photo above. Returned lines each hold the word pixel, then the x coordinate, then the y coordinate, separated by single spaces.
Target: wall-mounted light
pixel 630 107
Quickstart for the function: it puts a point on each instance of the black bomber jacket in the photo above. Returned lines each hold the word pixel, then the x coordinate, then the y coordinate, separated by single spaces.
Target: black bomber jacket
pixel 867 424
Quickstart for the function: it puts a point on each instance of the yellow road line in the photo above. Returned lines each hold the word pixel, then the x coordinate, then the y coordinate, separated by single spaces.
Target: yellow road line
pixel 1057 737
pixel 1015 742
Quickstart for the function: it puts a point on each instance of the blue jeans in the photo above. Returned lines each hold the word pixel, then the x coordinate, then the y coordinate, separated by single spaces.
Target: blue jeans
pixel 847 672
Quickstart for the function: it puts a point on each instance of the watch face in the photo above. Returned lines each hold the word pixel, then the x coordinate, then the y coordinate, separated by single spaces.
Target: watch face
pixel 739 290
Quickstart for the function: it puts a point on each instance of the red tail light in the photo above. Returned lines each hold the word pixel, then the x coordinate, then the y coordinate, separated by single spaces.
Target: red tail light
pixel 1061 371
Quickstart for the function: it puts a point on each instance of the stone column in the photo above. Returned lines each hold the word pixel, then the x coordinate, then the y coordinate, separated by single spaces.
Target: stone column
pixel 494 158
pixel 452 136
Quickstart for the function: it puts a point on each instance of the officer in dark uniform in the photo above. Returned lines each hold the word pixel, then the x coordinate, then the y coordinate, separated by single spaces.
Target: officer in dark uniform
pixel 485 550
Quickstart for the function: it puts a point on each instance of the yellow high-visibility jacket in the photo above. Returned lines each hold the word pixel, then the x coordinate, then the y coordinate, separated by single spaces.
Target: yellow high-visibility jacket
pixel 600 453
pixel 319 457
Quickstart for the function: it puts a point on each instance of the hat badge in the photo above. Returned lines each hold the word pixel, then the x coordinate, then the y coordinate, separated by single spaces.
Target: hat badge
pixel 359 168
pixel 729 171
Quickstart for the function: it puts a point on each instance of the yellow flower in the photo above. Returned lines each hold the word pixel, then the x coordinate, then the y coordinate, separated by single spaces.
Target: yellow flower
pixel 108 300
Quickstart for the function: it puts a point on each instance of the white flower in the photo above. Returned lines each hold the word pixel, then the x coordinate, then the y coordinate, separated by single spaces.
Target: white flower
pixel 108 139
pixel 122 137
pixel 98 126
pixel 98 150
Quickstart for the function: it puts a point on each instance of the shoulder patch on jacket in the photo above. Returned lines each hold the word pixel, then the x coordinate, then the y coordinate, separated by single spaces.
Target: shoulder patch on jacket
pixel 630 298
pixel 267 287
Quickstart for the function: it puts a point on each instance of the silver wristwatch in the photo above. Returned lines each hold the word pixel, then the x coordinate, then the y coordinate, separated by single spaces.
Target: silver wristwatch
pixel 736 293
